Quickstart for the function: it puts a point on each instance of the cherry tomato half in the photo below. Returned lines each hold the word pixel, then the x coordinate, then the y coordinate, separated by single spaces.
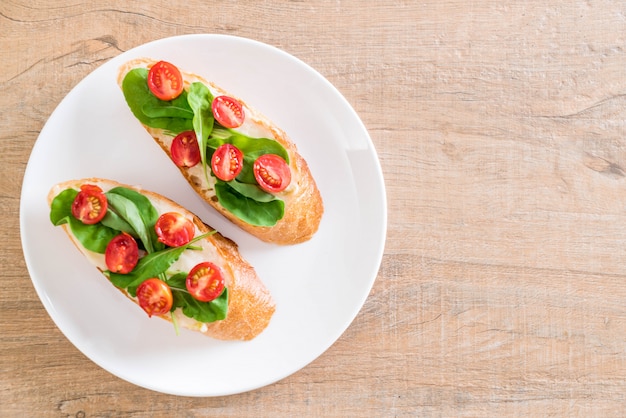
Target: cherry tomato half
pixel 227 162
pixel 272 173
pixel 173 229
pixel 165 81
pixel 228 111
pixel 205 282
pixel 90 204
pixel 122 254
pixel 155 296
pixel 185 150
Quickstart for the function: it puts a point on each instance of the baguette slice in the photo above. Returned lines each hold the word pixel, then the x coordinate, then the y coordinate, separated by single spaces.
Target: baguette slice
pixel 250 305
pixel 303 201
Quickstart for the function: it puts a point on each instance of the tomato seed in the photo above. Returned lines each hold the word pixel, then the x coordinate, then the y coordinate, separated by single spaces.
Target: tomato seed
pixel 95 207
pixel 268 178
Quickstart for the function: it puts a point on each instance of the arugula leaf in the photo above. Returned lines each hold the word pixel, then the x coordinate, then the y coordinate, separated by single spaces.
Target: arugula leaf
pixel 61 206
pixel 247 144
pixel 200 99
pixel 177 108
pixel 174 117
pixel 178 281
pixel 216 310
pixel 247 209
pixel 252 191
pixel 115 221
pixel 94 237
pixel 255 147
pixel 137 211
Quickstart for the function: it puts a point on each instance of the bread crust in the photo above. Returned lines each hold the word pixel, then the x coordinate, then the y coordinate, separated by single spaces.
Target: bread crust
pixel 250 305
pixel 303 202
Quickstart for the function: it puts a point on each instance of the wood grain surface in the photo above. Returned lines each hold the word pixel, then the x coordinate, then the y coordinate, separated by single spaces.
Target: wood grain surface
pixel 501 131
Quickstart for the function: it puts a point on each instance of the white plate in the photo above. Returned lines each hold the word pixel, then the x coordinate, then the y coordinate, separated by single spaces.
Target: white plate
pixel 319 286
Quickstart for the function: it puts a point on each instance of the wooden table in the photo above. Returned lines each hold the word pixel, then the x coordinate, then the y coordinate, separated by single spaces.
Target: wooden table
pixel 501 131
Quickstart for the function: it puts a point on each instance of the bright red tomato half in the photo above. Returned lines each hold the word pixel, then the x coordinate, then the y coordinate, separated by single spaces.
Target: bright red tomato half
pixel 165 81
pixel 122 254
pixel 174 229
pixel 155 297
pixel 227 162
pixel 185 150
pixel 228 111
pixel 272 173
pixel 90 204
pixel 205 282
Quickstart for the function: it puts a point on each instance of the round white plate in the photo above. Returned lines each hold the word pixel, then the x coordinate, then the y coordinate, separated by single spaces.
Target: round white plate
pixel 319 286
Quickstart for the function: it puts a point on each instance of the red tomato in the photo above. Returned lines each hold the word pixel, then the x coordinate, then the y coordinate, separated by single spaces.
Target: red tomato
pixel 122 254
pixel 174 229
pixel 272 173
pixel 165 81
pixel 185 150
pixel 155 296
pixel 228 111
pixel 227 162
pixel 90 204
pixel 205 282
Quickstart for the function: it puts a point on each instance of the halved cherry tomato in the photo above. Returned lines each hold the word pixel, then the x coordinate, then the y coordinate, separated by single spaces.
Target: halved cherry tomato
pixel 228 111
pixel 227 162
pixel 165 81
pixel 90 204
pixel 155 296
pixel 272 173
pixel 122 254
pixel 174 229
pixel 205 282
pixel 185 150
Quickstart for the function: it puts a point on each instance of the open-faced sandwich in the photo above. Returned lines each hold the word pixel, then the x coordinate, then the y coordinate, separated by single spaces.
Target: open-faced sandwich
pixel 163 258
pixel 235 158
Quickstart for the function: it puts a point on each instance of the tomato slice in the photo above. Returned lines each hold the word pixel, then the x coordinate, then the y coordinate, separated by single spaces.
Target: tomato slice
pixel 122 254
pixel 228 111
pixel 185 150
pixel 227 162
pixel 165 80
pixel 155 296
pixel 205 282
pixel 90 204
pixel 174 229
pixel 272 173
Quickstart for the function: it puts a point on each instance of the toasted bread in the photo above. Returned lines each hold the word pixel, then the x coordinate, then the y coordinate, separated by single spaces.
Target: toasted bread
pixel 303 208
pixel 250 305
